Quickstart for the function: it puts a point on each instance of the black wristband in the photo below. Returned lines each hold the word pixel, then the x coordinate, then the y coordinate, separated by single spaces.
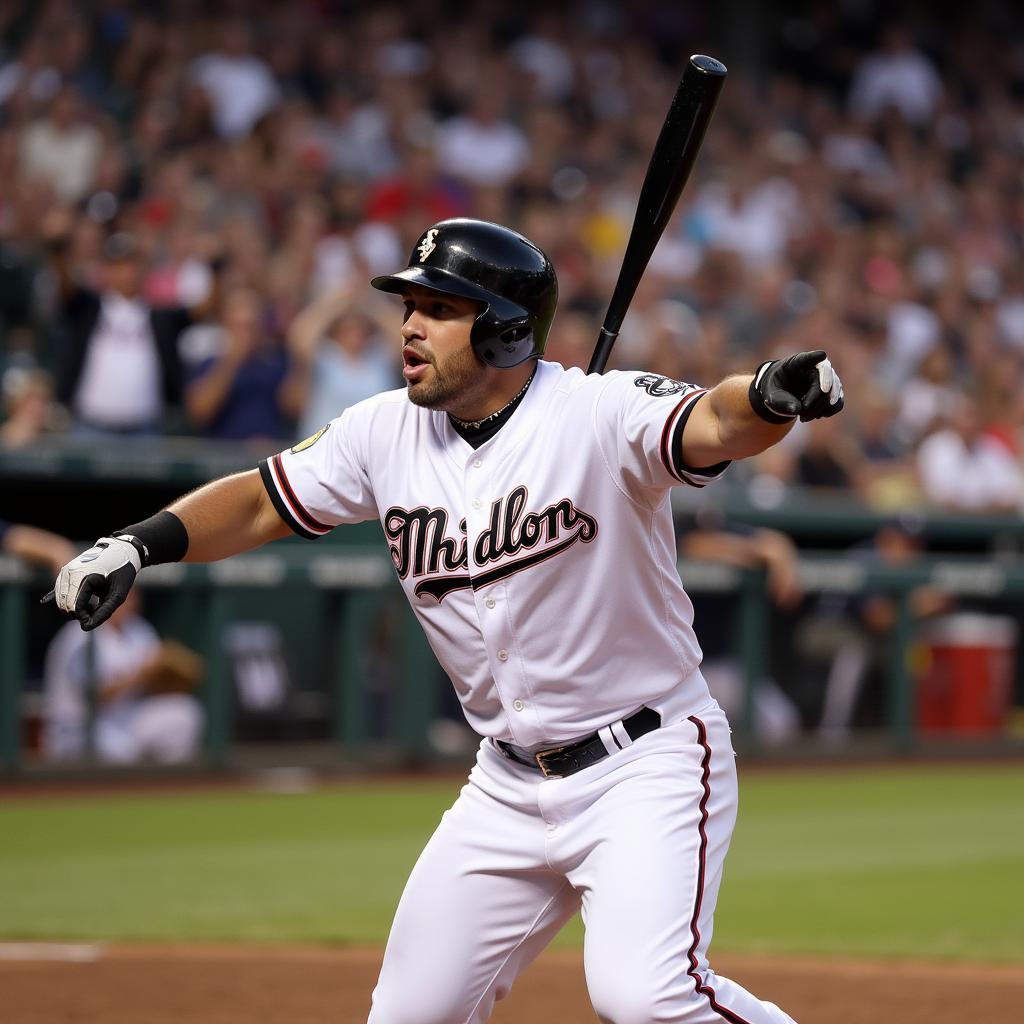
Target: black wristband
pixel 757 402
pixel 163 538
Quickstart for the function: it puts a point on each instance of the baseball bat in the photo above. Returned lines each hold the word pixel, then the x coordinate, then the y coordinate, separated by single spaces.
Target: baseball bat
pixel 671 162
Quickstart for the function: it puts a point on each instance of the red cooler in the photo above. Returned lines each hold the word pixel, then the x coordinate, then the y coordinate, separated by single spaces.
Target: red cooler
pixel 967 682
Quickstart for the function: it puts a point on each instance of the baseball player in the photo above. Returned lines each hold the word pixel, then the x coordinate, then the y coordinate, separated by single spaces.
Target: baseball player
pixel 526 510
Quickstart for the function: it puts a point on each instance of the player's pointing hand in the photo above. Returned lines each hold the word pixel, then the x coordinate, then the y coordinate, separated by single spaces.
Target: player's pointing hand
pixel 804 385
pixel 92 586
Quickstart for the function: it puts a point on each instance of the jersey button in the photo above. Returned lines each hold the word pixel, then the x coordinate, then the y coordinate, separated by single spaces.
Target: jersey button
pixel 518 704
pixel 476 503
pixel 490 602
pixel 477 463
pixel 503 655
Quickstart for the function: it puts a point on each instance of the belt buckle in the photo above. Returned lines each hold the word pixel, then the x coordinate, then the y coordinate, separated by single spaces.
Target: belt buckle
pixel 544 770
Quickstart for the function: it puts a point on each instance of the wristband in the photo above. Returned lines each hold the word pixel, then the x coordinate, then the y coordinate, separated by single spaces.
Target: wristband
pixel 161 538
pixel 757 402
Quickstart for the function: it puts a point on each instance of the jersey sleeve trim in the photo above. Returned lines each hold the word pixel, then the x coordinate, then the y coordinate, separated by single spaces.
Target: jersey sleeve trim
pixel 285 501
pixel 672 446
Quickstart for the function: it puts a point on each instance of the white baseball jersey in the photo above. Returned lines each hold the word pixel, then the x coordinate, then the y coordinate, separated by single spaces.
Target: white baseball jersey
pixel 542 565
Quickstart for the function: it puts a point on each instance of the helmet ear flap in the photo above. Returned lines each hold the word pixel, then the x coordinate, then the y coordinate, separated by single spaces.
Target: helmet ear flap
pixel 504 348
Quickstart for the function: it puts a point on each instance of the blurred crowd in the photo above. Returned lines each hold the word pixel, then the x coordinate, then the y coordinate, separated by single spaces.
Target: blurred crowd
pixel 195 196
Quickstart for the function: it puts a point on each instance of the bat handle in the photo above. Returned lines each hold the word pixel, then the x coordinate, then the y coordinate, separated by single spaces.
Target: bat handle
pixel 605 341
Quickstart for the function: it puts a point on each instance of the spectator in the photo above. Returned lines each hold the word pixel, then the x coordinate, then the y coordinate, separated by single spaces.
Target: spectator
pixel 340 356
pixel 138 685
pixel 239 394
pixel 239 85
pixel 62 148
pixel 481 147
pixel 886 477
pixel 28 407
pixel 751 216
pixel 966 468
pixel 417 194
pixel 896 76
pixel 118 369
pixel 30 74
pixel 354 248
pixel 357 137
pixel 829 460
pixel 545 56
pixel 913 331
pixel 928 396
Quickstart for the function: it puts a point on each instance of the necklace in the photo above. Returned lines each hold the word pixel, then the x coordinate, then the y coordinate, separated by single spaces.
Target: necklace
pixel 477 424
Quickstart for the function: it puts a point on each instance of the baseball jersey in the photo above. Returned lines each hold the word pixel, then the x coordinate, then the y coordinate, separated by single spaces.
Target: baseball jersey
pixel 541 565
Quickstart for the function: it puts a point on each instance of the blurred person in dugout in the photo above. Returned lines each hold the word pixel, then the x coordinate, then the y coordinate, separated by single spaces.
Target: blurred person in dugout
pixel 35 545
pixel 338 356
pixel 851 632
pixel 776 717
pixel 117 364
pixel 121 692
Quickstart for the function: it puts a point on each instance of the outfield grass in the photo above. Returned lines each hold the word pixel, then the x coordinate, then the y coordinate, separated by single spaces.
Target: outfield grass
pixel 922 862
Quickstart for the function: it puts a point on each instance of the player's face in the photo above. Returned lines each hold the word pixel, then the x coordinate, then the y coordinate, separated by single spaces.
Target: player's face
pixel 441 369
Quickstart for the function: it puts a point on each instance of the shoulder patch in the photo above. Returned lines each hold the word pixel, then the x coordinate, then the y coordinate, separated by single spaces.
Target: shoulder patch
pixel 660 387
pixel 310 441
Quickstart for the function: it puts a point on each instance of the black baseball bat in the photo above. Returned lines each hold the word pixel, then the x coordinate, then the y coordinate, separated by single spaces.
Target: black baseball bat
pixel 671 162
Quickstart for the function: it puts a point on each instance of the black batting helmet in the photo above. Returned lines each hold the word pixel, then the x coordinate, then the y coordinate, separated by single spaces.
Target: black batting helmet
pixel 496 266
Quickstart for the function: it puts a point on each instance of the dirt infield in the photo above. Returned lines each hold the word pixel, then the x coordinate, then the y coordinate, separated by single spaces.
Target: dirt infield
pixel 204 985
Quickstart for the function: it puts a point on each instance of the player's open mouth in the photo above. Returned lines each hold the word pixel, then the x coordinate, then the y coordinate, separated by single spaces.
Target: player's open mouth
pixel 413 364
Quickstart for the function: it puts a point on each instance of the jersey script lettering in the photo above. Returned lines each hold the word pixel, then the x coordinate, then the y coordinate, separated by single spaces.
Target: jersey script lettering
pixel 420 545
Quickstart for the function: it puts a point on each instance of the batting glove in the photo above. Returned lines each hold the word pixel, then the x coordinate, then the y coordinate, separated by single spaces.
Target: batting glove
pixel 803 385
pixel 92 586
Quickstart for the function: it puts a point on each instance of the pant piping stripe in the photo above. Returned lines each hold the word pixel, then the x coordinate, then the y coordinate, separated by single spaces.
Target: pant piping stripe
pixel 700 985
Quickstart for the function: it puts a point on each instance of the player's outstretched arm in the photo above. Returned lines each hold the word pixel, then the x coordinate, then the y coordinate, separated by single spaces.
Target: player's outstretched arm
pixel 227 517
pixel 220 519
pixel 744 415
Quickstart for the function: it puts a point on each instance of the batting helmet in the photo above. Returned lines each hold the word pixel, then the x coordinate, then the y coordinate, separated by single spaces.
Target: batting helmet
pixel 499 268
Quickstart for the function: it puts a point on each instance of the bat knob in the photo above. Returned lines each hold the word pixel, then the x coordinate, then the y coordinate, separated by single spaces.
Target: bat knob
pixel 708 65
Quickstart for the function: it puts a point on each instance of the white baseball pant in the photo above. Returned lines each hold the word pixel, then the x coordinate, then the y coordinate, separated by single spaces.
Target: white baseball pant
pixel 636 841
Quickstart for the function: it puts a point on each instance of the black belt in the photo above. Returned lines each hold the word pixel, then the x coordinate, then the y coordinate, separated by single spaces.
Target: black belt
pixel 561 761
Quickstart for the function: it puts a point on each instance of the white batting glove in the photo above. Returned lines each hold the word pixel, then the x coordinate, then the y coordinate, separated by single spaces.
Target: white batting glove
pixel 93 585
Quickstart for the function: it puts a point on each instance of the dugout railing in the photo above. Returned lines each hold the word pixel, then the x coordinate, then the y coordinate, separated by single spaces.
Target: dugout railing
pixel 355 583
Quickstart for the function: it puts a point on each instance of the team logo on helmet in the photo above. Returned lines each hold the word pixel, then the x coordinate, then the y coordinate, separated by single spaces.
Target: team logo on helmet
pixel 427 246
pixel 658 386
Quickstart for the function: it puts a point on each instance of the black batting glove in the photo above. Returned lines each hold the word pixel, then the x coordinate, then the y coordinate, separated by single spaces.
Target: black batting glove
pixel 803 385
pixel 93 585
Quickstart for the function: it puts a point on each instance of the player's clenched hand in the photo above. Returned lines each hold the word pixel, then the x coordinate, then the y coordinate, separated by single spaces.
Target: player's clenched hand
pixel 804 385
pixel 93 585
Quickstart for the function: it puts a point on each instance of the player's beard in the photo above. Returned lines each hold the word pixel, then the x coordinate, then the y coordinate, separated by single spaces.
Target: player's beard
pixel 452 385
